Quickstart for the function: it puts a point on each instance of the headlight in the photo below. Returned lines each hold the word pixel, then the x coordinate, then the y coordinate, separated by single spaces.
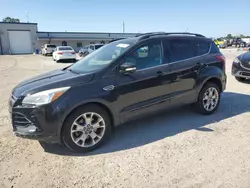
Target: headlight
pixel 45 97
pixel 236 60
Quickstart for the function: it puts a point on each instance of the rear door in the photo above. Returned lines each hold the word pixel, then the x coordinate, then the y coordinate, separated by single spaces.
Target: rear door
pixel 186 57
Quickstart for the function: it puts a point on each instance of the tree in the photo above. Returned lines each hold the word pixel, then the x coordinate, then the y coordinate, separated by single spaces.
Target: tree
pixel 242 36
pixel 12 20
pixel 229 36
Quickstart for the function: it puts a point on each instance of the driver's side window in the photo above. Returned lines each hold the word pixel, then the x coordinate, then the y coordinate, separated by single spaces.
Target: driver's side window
pixel 146 56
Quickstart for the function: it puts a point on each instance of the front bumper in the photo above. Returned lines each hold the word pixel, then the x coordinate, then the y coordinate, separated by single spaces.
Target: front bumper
pixel 239 71
pixel 35 122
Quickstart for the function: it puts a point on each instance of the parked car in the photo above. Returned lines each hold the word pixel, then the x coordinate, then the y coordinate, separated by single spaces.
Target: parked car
pixel 241 67
pixel 89 49
pixel 80 104
pixel 220 43
pixel 64 53
pixel 48 49
pixel 237 42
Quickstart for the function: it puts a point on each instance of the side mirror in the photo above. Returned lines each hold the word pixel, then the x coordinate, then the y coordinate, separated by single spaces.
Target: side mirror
pixel 128 67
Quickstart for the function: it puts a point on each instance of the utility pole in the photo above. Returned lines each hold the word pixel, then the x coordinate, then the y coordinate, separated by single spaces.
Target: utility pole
pixel 123 27
pixel 27 16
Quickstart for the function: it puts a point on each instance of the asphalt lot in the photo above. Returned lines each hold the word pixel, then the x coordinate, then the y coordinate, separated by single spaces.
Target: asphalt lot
pixel 173 149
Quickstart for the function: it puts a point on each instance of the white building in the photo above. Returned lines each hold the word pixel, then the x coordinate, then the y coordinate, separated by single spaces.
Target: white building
pixel 24 38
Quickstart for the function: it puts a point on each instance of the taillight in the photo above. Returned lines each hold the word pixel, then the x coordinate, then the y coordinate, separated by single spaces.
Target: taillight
pixel 60 53
pixel 222 59
pixel 73 52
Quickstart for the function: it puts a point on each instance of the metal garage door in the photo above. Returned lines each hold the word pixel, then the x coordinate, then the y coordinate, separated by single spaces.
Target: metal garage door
pixel 20 42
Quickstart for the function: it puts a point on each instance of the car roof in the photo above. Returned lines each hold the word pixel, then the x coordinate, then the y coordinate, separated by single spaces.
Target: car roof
pixel 170 35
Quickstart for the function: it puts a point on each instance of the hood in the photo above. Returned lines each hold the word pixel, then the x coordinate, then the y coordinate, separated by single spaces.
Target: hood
pixel 244 57
pixel 50 80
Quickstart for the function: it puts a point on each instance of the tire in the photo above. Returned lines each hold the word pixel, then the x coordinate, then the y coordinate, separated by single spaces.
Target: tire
pixel 67 136
pixel 199 106
pixel 240 79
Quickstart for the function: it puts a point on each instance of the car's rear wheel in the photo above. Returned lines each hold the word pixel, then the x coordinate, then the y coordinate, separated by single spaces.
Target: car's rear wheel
pixel 86 128
pixel 240 79
pixel 208 99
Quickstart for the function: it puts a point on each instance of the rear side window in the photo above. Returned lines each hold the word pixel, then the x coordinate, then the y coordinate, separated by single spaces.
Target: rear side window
pixel 178 50
pixel 98 46
pixel 201 47
pixel 214 49
pixel 51 46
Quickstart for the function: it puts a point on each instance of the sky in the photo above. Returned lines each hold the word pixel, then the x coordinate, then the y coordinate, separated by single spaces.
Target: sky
pixel 212 18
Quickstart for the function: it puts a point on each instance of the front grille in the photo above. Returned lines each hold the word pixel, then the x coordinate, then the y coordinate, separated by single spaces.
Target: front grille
pixel 246 65
pixel 245 74
pixel 20 120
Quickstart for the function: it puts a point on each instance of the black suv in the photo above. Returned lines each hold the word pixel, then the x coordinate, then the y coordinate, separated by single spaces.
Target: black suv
pixel 80 104
pixel 241 67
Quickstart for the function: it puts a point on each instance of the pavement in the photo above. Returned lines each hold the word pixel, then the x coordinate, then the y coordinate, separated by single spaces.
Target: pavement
pixel 178 148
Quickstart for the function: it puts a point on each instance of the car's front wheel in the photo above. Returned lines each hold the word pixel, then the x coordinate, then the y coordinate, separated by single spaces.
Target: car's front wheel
pixel 86 128
pixel 208 99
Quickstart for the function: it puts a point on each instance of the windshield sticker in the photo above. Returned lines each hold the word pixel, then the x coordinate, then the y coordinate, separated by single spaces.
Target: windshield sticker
pixel 122 45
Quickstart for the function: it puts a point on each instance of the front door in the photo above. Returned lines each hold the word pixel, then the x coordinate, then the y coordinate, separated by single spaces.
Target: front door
pixel 147 89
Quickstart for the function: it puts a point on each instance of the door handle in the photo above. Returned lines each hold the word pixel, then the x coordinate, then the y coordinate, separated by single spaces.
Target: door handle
pixel 109 88
pixel 160 73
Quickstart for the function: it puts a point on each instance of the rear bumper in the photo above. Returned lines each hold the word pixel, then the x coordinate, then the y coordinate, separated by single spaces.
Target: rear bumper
pixel 66 57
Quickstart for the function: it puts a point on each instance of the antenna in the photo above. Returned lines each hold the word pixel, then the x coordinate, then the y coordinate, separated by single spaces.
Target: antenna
pixel 186 30
pixel 27 16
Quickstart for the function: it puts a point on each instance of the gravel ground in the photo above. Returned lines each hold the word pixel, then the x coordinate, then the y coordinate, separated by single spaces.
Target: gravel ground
pixel 173 149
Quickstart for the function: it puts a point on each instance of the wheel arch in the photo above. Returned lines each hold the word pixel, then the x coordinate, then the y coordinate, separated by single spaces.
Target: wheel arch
pixel 215 80
pixel 102 105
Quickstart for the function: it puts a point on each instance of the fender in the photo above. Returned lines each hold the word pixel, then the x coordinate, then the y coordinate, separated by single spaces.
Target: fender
pixel 102 102
pixel 210 72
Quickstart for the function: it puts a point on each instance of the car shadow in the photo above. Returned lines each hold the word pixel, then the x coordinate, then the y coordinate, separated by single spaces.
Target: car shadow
pixel 159 126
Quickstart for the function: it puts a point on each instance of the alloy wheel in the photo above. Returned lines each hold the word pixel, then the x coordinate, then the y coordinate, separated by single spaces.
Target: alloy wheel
pixel 87 129
pixel 210 99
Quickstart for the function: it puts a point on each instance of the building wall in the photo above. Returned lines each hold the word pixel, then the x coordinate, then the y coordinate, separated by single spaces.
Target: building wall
pixel 4 27
pixel 72 43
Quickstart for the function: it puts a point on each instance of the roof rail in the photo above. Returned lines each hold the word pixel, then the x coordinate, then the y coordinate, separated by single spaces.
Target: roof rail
pixel 147 35
pixel 150 33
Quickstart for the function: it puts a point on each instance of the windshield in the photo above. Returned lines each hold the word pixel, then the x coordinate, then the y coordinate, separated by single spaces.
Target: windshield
pixel 102 57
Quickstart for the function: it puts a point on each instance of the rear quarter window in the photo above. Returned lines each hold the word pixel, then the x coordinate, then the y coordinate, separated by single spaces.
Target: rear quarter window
pixel 214 49
pixel 201 47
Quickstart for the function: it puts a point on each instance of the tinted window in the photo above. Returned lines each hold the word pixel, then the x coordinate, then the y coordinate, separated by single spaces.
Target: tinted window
pixel 65 48
pixel 98 46
pixel 214 49
pixel 51 46
pixel 92 47
pixel 201 47
pixel 79 44
pixel 146 56
pixel 179 49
